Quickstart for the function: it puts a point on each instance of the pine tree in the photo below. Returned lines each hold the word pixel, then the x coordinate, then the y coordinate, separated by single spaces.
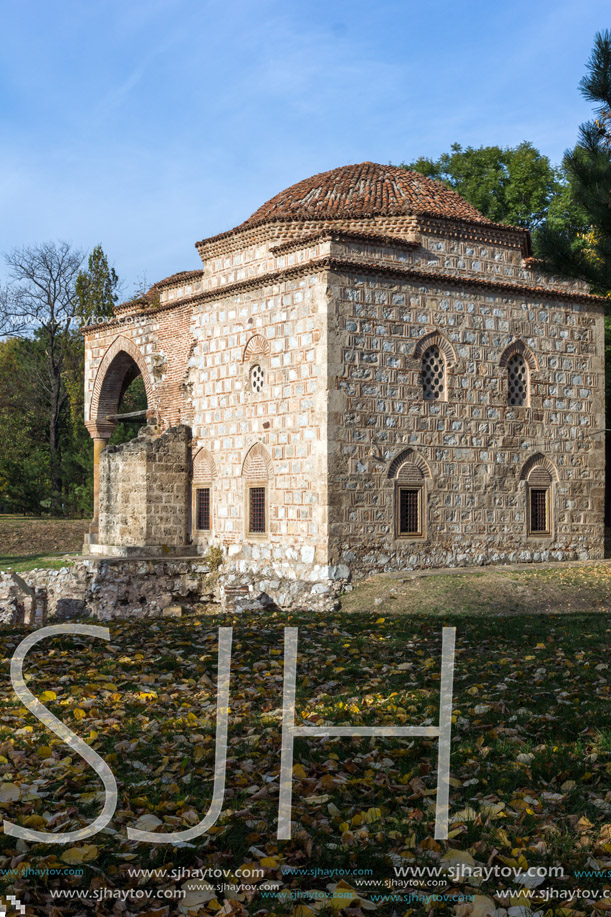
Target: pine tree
pixel 587 254
pixel 96 288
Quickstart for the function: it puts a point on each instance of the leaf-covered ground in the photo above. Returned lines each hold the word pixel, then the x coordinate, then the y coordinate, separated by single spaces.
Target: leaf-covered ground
pixel 531 766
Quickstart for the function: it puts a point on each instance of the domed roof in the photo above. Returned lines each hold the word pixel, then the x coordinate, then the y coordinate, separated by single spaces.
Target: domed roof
pixel 365 190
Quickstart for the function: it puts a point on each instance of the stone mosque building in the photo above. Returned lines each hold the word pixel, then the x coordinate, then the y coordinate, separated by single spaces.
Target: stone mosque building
pixel 367 374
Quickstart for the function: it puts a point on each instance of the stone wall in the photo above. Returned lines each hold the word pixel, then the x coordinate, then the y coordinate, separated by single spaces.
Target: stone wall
pixel 280 327
pixel 474 444
pixel 145 490
pixel 138 588
pixel 333 323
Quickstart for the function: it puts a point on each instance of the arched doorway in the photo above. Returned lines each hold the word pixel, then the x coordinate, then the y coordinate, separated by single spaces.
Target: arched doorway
pixel 122 371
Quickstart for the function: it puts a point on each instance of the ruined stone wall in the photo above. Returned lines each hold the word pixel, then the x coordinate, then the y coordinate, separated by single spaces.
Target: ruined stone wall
pixel 474 444
pixel 120 587
pixel 145 490
pixel 282 329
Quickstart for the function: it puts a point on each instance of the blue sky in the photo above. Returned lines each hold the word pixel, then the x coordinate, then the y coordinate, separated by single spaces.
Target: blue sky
pixel 149 124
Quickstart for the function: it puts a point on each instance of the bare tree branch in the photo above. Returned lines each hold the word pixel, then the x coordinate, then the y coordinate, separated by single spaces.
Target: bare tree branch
pixel 40 300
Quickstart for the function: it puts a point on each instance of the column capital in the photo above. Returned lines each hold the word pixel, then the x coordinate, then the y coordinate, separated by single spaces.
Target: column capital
pixel 100 429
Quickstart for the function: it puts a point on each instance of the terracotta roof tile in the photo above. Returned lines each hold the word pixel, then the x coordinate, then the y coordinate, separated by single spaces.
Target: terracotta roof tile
pixel 365 190
pixel 180 277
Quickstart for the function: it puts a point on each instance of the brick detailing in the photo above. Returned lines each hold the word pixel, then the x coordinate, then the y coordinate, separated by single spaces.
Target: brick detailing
pixel 204 469
pixel 539 470
pixel 435 339
pixel 409 468
pixel 257 464
pixel 119 366
pixel 256 346
pixel 519 347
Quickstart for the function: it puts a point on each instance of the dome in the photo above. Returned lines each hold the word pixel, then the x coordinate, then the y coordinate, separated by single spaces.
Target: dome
pixel 365 190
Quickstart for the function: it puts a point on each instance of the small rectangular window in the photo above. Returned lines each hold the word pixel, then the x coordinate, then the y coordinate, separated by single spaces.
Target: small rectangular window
pixel 256 501
pixel 539 511
pixel 409 511
pixel 202 509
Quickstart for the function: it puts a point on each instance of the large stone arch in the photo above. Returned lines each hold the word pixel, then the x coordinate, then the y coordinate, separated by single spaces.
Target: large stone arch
pixel 120 365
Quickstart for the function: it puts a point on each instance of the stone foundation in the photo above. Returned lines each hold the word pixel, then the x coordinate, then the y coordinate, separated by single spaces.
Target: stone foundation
pixel 107 588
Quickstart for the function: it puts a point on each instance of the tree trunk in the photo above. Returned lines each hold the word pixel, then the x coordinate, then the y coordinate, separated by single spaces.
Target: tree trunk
pixel 54 448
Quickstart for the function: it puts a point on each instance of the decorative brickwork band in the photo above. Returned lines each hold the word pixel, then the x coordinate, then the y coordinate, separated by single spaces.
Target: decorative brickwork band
pixel 539 470
pixel 257 464
pixel 257 346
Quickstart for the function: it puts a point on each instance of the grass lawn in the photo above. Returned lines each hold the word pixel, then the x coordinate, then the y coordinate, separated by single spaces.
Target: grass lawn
pixel 557 587
pixel 530 762
pixel 27 542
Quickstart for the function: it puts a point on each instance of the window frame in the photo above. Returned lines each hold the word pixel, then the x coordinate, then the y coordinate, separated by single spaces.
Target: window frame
pixel 251 372
pixel 526 402
pixel 420 490
pixel 256 485
pixel 547 489
pixel 200 486
pixel 199 534
pixel 443 397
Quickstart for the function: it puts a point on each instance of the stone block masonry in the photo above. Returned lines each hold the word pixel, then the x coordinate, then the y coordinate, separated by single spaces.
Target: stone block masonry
pixel 121 587
pixel 145 492
pixel 343 361
pixel 473 442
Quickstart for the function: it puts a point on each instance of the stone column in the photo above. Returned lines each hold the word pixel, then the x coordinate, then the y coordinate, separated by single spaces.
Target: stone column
pixel 99 443
pixel 100 435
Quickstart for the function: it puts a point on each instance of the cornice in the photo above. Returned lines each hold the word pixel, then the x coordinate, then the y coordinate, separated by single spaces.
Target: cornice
pixel 358 266
pixel 344 235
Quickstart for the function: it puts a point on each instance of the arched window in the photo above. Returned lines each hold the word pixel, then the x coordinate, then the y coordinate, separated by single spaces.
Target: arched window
pixel 517 380
pixel 519 362
pixel 256 472
pixel 204 472
pixel 436 354
pixel 409 472
pixel 539 474
pixel 256 367
pixel 433 374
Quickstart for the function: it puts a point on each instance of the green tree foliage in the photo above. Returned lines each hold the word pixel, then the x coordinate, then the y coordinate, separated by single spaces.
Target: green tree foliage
pixel 585 251
pixel 134 399
pixel 46 457
pixel 96 288
pixel 40 301
pixel 24 456
pixel 512 185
